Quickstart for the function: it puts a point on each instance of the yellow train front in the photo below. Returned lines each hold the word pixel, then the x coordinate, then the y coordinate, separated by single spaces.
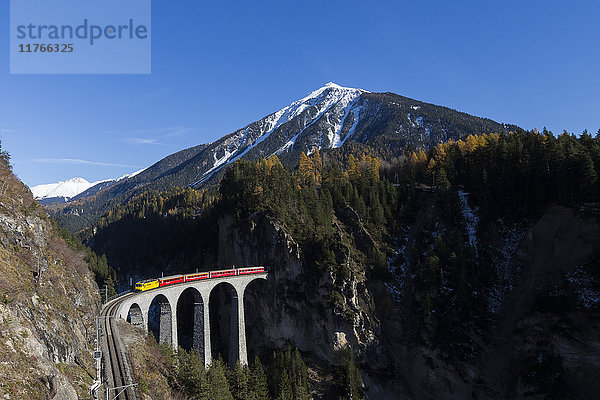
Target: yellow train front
pixel 146 285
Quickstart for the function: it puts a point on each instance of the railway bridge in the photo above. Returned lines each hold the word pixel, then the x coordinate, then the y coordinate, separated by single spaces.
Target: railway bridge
pixel 136 309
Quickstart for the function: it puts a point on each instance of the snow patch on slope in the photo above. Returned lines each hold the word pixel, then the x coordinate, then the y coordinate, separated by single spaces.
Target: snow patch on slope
pixel 506 270
pixel 586 289
pixel 471 220
pixel 347 104
pixel 288 146
pixel 356 113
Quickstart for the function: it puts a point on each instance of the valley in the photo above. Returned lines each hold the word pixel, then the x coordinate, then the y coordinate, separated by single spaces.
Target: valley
pixel 413 252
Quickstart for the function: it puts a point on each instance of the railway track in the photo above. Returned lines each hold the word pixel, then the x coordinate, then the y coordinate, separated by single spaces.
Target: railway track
pixel 114 363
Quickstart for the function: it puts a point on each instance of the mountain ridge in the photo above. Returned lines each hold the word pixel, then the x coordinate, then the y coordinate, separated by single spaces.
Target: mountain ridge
pixel 327 118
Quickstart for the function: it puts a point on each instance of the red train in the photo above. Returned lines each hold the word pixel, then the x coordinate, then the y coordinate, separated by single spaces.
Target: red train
pixel 149 284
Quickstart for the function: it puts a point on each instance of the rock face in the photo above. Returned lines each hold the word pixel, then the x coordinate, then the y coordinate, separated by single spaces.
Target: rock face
pixel 540 339
pixel 48 300
pixel 292 306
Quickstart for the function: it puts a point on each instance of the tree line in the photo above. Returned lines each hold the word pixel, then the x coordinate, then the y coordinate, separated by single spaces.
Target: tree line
pixel 515 171
pixel 285 378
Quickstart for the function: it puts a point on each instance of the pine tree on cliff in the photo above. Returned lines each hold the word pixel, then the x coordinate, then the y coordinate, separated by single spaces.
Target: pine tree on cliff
pixel 238 382
pixel 219 388
pixel 354 382
pixel 259 389
pixel 284 390
pixel 192 375
pixel 5 158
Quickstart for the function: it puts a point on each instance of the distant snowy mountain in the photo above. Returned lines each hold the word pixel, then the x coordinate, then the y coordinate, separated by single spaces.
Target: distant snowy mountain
pixel 64 191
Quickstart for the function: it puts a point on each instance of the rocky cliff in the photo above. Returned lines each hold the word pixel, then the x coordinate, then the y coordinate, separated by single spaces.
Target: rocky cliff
pixel 48 301
pixel 300 304
pixel 536 338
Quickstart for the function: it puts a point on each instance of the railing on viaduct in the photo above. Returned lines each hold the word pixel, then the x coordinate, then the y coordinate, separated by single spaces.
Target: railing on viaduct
pixel 136 309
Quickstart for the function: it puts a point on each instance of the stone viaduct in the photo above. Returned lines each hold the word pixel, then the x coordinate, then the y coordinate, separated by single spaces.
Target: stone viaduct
pixel 137 308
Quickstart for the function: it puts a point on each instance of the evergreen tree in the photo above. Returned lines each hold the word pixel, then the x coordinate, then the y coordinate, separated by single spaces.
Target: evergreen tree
pixel 217 381
pixel 238 382
pixel 5 158
pixel 289 375
pixel 587 175
pixel 442 180
pixel 110 286
pixel 192 375
pixel 259 387
pixel 300 376
pixel 284 389
pixel 354 382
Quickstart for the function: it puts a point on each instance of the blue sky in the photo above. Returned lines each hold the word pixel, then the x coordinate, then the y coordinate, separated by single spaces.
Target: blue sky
pixel 217 66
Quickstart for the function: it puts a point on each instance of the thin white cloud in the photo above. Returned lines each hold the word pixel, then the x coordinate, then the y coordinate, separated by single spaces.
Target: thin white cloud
pixel 177 131
pixel 138 140
pixel 151 135
pixel 6 130
pixel 80 162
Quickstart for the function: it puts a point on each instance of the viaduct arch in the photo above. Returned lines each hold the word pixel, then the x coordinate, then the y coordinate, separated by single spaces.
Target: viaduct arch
pixel 135 309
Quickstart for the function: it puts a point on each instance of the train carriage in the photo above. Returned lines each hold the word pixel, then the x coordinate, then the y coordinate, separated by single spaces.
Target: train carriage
pixel 197 276
pixel 251 270
pixel 172 280
pixel 222 273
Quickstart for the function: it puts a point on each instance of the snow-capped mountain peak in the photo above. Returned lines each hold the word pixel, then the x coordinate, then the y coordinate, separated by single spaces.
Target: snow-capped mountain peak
pixel 68 188
pixel 71 187
pixel 333 90
pixel 323 98
pixel 332 102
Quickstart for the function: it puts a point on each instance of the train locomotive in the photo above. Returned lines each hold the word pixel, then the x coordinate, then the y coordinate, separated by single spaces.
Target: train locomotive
pixel 150 284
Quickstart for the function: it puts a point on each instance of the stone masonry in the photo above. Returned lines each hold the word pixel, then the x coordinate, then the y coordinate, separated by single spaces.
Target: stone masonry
pixel 137 308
